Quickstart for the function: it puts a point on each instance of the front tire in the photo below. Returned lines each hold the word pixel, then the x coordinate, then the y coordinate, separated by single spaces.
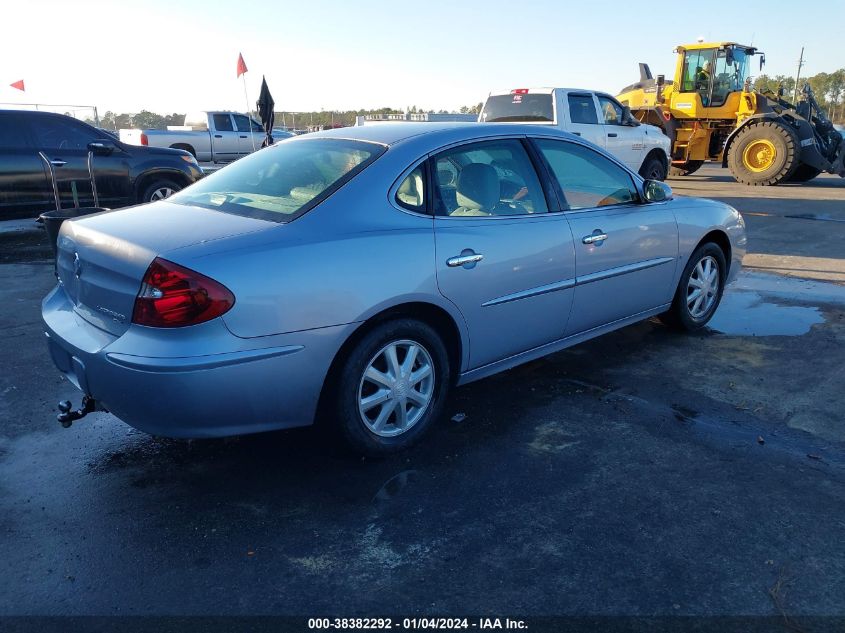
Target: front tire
pixel 699 290
pixel 160 189
pixel 764 154
pixel 391 387
pixel 653 169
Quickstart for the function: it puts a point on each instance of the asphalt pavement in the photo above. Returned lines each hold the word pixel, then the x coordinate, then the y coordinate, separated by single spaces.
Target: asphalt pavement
pixel 644 473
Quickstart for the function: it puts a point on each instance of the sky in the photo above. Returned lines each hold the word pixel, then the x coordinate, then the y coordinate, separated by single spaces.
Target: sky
pixel 177 56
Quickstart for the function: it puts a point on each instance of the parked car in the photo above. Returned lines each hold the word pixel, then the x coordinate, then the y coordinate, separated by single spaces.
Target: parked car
pixel 356 275
pixel 281 133
pixel 594 116
pixel 210 136
pixel 32 144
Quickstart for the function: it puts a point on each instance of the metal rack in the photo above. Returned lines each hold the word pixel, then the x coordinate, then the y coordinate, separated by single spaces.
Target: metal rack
pixel 51 164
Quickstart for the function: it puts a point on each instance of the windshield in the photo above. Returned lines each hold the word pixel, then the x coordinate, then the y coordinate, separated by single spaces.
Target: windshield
pixel 518 107
pixel 284 181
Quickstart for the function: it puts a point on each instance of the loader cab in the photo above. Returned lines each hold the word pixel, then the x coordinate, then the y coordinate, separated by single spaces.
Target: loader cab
pixel 709 74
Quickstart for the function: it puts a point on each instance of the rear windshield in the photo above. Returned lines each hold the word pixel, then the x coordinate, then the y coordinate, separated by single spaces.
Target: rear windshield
pixel 284 181
pixel 518 107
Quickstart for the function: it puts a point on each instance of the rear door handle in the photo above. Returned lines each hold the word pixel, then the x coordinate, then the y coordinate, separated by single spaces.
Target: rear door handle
pixel 58 162
pixel 612 134
pixel 594 238
pixel 244 136
pixel 218 136
pixel 463 260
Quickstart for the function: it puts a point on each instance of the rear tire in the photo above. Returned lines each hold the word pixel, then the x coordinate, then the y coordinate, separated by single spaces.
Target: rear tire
pixel 685 169
pixel 804 173
pixel 688 313
pixel 764 154
pixel 653 169
pixel 369 391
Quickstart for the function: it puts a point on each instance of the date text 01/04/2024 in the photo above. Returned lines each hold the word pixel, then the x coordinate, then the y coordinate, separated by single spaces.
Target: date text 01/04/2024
pixel 415 624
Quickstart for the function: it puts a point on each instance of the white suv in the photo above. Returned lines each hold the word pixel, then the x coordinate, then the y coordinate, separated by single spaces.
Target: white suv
pixel 594 116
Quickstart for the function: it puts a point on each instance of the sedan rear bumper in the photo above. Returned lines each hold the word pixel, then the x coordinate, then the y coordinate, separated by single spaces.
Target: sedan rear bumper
pixel 208 384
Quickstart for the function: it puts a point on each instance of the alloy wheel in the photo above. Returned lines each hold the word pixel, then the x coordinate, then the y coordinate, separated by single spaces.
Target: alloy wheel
pixel 397 388
pixel 161 193
pixel 703 287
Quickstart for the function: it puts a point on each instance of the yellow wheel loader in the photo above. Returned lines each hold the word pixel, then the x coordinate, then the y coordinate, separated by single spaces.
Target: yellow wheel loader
pixel 711 113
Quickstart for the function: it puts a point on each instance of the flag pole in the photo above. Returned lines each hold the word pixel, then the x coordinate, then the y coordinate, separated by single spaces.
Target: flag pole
pixel 249 118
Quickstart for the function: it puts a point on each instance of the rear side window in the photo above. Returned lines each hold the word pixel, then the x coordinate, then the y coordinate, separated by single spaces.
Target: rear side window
pixel 518 107
pixel 223 123
pixel 411 192
pixel 57 133
pixel 284 181
pixel 582 109
pixel 12 133
pixel 586 178
pixel 491 178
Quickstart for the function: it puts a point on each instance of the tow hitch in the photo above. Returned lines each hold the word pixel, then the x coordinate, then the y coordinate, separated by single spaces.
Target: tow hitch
pixel 67 417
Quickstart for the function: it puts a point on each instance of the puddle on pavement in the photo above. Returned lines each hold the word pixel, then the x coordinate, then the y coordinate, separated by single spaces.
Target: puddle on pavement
pixel 748 314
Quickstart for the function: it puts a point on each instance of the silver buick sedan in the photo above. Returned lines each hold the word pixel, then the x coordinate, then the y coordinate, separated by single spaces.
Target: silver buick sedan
pixel 356 275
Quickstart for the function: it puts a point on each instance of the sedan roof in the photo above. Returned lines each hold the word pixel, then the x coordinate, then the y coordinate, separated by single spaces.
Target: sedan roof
pixel 392 133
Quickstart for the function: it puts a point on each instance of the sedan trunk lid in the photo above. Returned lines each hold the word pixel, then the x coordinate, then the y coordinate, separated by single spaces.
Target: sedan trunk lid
pixel 102 258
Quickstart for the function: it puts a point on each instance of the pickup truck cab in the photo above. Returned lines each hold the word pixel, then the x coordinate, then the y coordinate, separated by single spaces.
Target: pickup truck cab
pixel 44 160
pixel 216 137
pixel 594 116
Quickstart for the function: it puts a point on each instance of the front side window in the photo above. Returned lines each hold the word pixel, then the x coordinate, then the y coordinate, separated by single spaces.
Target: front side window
pixel 284 181
pixel 582 109
pixel 491 178
pixel 586 178
pixel 729 75
pixel 611 110
pixel 57 133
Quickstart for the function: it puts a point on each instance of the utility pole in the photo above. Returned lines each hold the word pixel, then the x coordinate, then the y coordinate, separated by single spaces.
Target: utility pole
pixel 798 75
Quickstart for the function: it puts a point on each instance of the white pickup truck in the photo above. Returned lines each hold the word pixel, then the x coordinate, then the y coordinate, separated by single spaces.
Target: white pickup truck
pixel 209 136
pixel 594 116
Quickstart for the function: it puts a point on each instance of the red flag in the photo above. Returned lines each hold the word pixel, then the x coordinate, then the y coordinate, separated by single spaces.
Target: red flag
pixel 241 65
pixel 19 84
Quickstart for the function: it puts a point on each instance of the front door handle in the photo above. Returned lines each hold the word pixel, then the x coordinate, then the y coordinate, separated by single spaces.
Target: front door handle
pixel 218 136
pixel 463 260
pixel 596 237
pixel 243 136
pixel 612 134
pixel 58 162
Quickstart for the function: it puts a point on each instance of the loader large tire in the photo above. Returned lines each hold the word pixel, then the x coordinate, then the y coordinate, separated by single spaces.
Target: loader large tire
pixel 804 173
pixel 685 169
pixel 764 153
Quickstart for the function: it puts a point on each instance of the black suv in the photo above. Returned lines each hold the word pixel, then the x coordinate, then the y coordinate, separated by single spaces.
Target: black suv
pixel 34 144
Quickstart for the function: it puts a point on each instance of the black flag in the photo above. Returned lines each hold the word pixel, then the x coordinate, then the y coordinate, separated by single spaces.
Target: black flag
pixel 265 105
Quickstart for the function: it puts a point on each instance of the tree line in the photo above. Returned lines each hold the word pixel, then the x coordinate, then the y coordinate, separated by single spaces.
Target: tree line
pixel 829 89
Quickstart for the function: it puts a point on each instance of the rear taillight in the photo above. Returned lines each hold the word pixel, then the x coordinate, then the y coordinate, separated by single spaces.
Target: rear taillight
pixel 173 296
pixel 144 139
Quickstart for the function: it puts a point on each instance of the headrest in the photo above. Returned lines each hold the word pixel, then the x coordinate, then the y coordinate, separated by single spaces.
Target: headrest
pixel 410 191
pixel 478 187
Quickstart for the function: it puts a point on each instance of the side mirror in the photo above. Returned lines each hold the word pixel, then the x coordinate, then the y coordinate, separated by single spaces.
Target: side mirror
pixel 657 191
pixel 628 118
pixel 103 147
